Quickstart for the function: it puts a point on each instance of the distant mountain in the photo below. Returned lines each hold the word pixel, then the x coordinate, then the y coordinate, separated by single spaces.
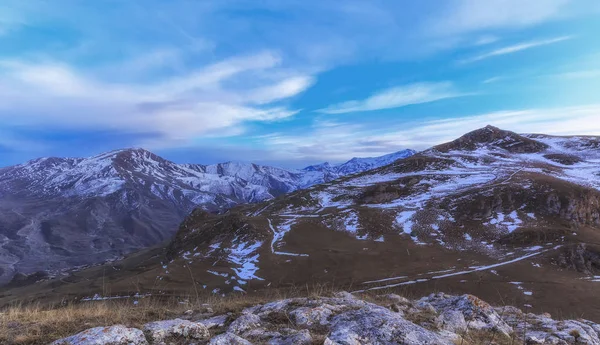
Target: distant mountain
pixel 356 165
pixel 57 213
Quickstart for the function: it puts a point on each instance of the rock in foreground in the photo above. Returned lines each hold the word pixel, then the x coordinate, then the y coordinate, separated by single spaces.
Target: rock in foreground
pixel 345 320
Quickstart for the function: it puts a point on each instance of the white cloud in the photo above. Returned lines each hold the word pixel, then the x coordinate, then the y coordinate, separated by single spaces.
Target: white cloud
pixel 396 97
pixel 485 40
pixel 474 15
pixel 516 48
pixel 558 121
pixel 341 141
pixel 493 80
pixel 583 74
pixel 213 99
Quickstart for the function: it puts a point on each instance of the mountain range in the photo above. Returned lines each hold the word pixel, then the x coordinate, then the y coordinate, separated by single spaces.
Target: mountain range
pixel 513 217
pixel 60 213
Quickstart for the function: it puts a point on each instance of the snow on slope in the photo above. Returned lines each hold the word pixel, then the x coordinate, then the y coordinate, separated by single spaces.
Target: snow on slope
pixel 110 172
pixel 431 190
pixel 117 202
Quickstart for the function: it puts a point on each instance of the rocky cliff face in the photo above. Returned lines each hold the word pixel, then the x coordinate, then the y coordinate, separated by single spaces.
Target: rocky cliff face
pixel 344 319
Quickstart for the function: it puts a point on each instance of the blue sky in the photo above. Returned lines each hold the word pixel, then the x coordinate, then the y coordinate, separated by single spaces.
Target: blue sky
pixel 289 82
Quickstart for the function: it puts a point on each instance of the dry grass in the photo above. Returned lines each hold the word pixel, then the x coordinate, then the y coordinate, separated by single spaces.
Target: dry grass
pixel 36 324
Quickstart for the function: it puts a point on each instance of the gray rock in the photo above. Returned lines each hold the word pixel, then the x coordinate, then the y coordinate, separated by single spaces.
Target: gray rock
pixel 478 314
pixel 375 325
pixel 396 299
pixel 228 339
pixel 114 335
pixel 542 329
pixel 244 323
pixel 160 331
pixel 215 321
pixel 452 320
pixel 308 317
pixel 426 307
pixel 299 338
pixel 260 334
pixel 344 295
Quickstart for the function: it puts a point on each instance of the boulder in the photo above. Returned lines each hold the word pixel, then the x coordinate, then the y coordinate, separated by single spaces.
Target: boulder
pixel 228 339
pixel 309 317
pixel 215 321
pixel 375 325
pixel 160 331
pixel 477 313
pixel 244 323
pixel 113 335
pixel 297 338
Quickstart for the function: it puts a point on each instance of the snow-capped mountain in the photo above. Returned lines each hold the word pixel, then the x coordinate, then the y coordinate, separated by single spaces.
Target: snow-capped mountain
pixel 493 203
pixel 57 213
pixel 357 165
pixel 513 217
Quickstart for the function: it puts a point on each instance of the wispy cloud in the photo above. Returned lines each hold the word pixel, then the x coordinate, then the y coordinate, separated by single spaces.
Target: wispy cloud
pixel 583 74
pixel 473 15
pixel 493 80
pixel 516 48
pixel 396 97
pixel 485 40
pixel 214 99
pixel 339 141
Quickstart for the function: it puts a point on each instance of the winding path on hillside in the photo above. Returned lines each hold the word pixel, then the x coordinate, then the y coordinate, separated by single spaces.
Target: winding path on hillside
pixel 447 275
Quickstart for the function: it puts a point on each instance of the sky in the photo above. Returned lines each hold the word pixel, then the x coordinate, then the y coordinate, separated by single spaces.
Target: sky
pixel 289 83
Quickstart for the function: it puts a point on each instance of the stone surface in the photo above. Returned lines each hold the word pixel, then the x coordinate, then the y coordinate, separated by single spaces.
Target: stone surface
pixel 298 338
pixel 308 317
pixel 228 339
pixel 157 332
pixel 215 321
pixel 244 323
pixel 375 325
pixel 478 314
pixel 541 329
pixel 396 299
pixel 114 335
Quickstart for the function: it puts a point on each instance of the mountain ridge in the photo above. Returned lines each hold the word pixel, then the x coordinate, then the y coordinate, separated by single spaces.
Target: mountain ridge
pixel 54 210
pixel 494 213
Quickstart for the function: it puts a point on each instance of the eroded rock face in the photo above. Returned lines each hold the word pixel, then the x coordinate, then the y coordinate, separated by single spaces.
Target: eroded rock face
pixel 347 320
pixel 114 335
pixel 581 257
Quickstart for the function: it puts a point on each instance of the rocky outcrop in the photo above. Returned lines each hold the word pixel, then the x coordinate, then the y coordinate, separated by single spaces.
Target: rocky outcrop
pixel 161 331
pixel 114 335
pixel 346 320
pixel 581 257
pixel 466 311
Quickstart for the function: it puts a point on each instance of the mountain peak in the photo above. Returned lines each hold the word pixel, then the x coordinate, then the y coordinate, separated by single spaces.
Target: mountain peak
pixel 318 167
pixel 493 137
